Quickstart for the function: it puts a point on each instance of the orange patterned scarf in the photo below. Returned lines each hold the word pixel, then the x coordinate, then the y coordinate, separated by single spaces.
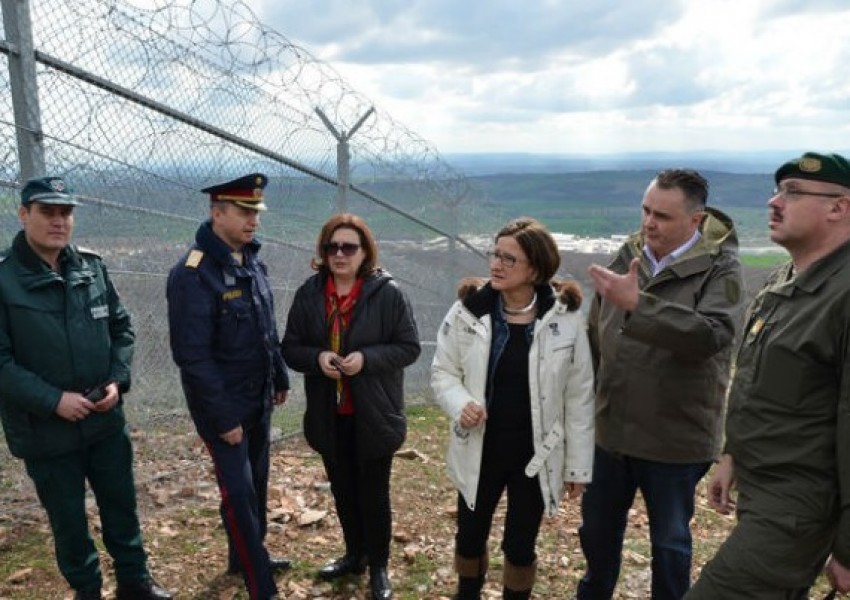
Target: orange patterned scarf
pixel 338 310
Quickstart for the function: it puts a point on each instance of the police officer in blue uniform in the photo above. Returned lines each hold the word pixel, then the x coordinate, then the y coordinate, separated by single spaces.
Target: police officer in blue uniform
pixel 224 340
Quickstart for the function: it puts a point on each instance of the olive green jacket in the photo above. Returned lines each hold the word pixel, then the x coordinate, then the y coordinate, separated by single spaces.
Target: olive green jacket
pixel 58 332
pixel 788 426
pixel 662 370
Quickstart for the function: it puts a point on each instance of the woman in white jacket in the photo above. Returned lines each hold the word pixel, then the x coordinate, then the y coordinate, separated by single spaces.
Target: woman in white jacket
pixel 513 371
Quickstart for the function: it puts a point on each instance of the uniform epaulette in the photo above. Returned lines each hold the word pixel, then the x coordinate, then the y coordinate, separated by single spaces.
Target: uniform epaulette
pixel 194 258
pixel 88 251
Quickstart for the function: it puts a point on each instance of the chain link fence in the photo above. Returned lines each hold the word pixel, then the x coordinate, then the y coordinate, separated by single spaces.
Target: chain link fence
pixel 140 106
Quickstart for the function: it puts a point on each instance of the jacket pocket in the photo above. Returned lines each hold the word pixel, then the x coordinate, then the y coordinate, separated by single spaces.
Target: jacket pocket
pixel 235 326
pixel 553 367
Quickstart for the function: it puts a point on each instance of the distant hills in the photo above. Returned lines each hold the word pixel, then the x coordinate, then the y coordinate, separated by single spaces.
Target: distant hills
pixel 597 196
pixel 601 196
pixel 595 189
pixel 727 162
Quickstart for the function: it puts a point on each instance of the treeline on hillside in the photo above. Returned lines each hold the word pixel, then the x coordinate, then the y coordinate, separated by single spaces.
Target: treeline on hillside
pixel 616 188
pixel 589 203
pixel 598 203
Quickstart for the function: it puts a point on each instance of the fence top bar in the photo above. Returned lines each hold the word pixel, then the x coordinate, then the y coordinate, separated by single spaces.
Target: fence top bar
pixel 112 87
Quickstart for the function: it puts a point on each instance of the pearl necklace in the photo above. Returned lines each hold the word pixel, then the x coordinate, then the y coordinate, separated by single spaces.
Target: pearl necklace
pixel 520 311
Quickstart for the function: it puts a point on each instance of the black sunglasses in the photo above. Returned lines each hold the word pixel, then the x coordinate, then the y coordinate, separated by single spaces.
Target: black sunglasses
pixel 347 248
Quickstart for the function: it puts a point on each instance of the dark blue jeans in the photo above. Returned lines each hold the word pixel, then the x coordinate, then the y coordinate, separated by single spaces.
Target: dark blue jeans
pixel 668 491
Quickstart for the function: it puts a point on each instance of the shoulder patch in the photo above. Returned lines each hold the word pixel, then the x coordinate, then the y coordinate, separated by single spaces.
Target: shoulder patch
pixel 733 290
pixel 194 259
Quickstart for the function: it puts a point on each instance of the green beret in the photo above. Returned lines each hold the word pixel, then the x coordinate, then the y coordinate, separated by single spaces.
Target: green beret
pixel 832 168
pixel 47 190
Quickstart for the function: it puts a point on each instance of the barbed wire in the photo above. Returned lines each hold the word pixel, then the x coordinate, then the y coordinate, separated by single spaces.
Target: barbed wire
pixel 142 105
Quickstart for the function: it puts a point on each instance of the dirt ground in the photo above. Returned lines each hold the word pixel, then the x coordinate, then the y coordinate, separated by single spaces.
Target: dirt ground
pixel 186 544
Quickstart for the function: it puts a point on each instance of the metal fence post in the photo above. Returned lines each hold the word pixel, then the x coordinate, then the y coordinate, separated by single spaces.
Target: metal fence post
pixel 24 88
pixel 135 160
pixel 343 155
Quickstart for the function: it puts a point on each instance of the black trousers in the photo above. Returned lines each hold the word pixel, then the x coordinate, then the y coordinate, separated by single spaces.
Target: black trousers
pixel 361 490
pixel 243 475
pixel 503 467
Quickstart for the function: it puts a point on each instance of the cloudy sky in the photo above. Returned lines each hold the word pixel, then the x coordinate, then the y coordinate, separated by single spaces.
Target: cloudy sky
pixel 564 76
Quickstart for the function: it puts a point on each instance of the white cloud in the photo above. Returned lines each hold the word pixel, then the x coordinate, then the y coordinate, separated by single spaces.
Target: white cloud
pixel 561 76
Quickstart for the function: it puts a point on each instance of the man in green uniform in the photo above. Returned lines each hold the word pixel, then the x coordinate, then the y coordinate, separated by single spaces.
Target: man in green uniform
pixel 65 350
pixel 788 425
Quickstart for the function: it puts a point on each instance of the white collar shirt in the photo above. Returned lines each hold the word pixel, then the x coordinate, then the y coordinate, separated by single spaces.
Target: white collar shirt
pixel 658 264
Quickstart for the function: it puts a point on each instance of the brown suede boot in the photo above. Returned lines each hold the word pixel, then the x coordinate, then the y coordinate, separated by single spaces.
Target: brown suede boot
pixel 471 573
pixel 518 581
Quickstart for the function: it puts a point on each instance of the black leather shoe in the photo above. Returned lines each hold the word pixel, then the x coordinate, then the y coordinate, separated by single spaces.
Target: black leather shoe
pixel 143 590
pixel 379 581
pixel 275 564
pixel 347 565
pixel 87 595
pixel 279 564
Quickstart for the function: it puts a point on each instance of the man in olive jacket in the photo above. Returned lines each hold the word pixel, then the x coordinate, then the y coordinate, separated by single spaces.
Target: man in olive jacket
pixel 788 426
pixel 65 349
pixel 661 328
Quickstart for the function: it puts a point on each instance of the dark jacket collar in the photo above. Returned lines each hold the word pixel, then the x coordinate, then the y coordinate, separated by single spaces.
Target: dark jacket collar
pixel 32 261
pixel 817 274
pixel 36 273
pixel 371 283
pixel 486 300
pixel 218 250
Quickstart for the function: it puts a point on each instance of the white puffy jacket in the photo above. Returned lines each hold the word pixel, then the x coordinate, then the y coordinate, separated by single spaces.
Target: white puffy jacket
pixel 560 386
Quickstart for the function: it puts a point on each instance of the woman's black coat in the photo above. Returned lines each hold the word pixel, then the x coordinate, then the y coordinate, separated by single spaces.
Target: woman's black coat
pixel 383 329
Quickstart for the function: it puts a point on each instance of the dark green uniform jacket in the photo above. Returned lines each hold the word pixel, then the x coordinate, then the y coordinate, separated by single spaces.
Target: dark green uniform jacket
pixel 788 427
pixel 662 370
pixel 58 332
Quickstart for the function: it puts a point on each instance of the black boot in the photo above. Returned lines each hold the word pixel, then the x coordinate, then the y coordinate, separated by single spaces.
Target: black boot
pixel 88 594
pixel 347 565
pixel 471 575
pixel 147 589
pixel 379 581
pixel 469 588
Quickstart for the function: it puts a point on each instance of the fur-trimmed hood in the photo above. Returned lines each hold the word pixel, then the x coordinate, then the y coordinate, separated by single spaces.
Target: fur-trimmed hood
pixel 478 296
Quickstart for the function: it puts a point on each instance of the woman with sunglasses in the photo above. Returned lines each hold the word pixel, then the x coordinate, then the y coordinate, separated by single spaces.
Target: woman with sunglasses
pixel 513 371
pixel 351 332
